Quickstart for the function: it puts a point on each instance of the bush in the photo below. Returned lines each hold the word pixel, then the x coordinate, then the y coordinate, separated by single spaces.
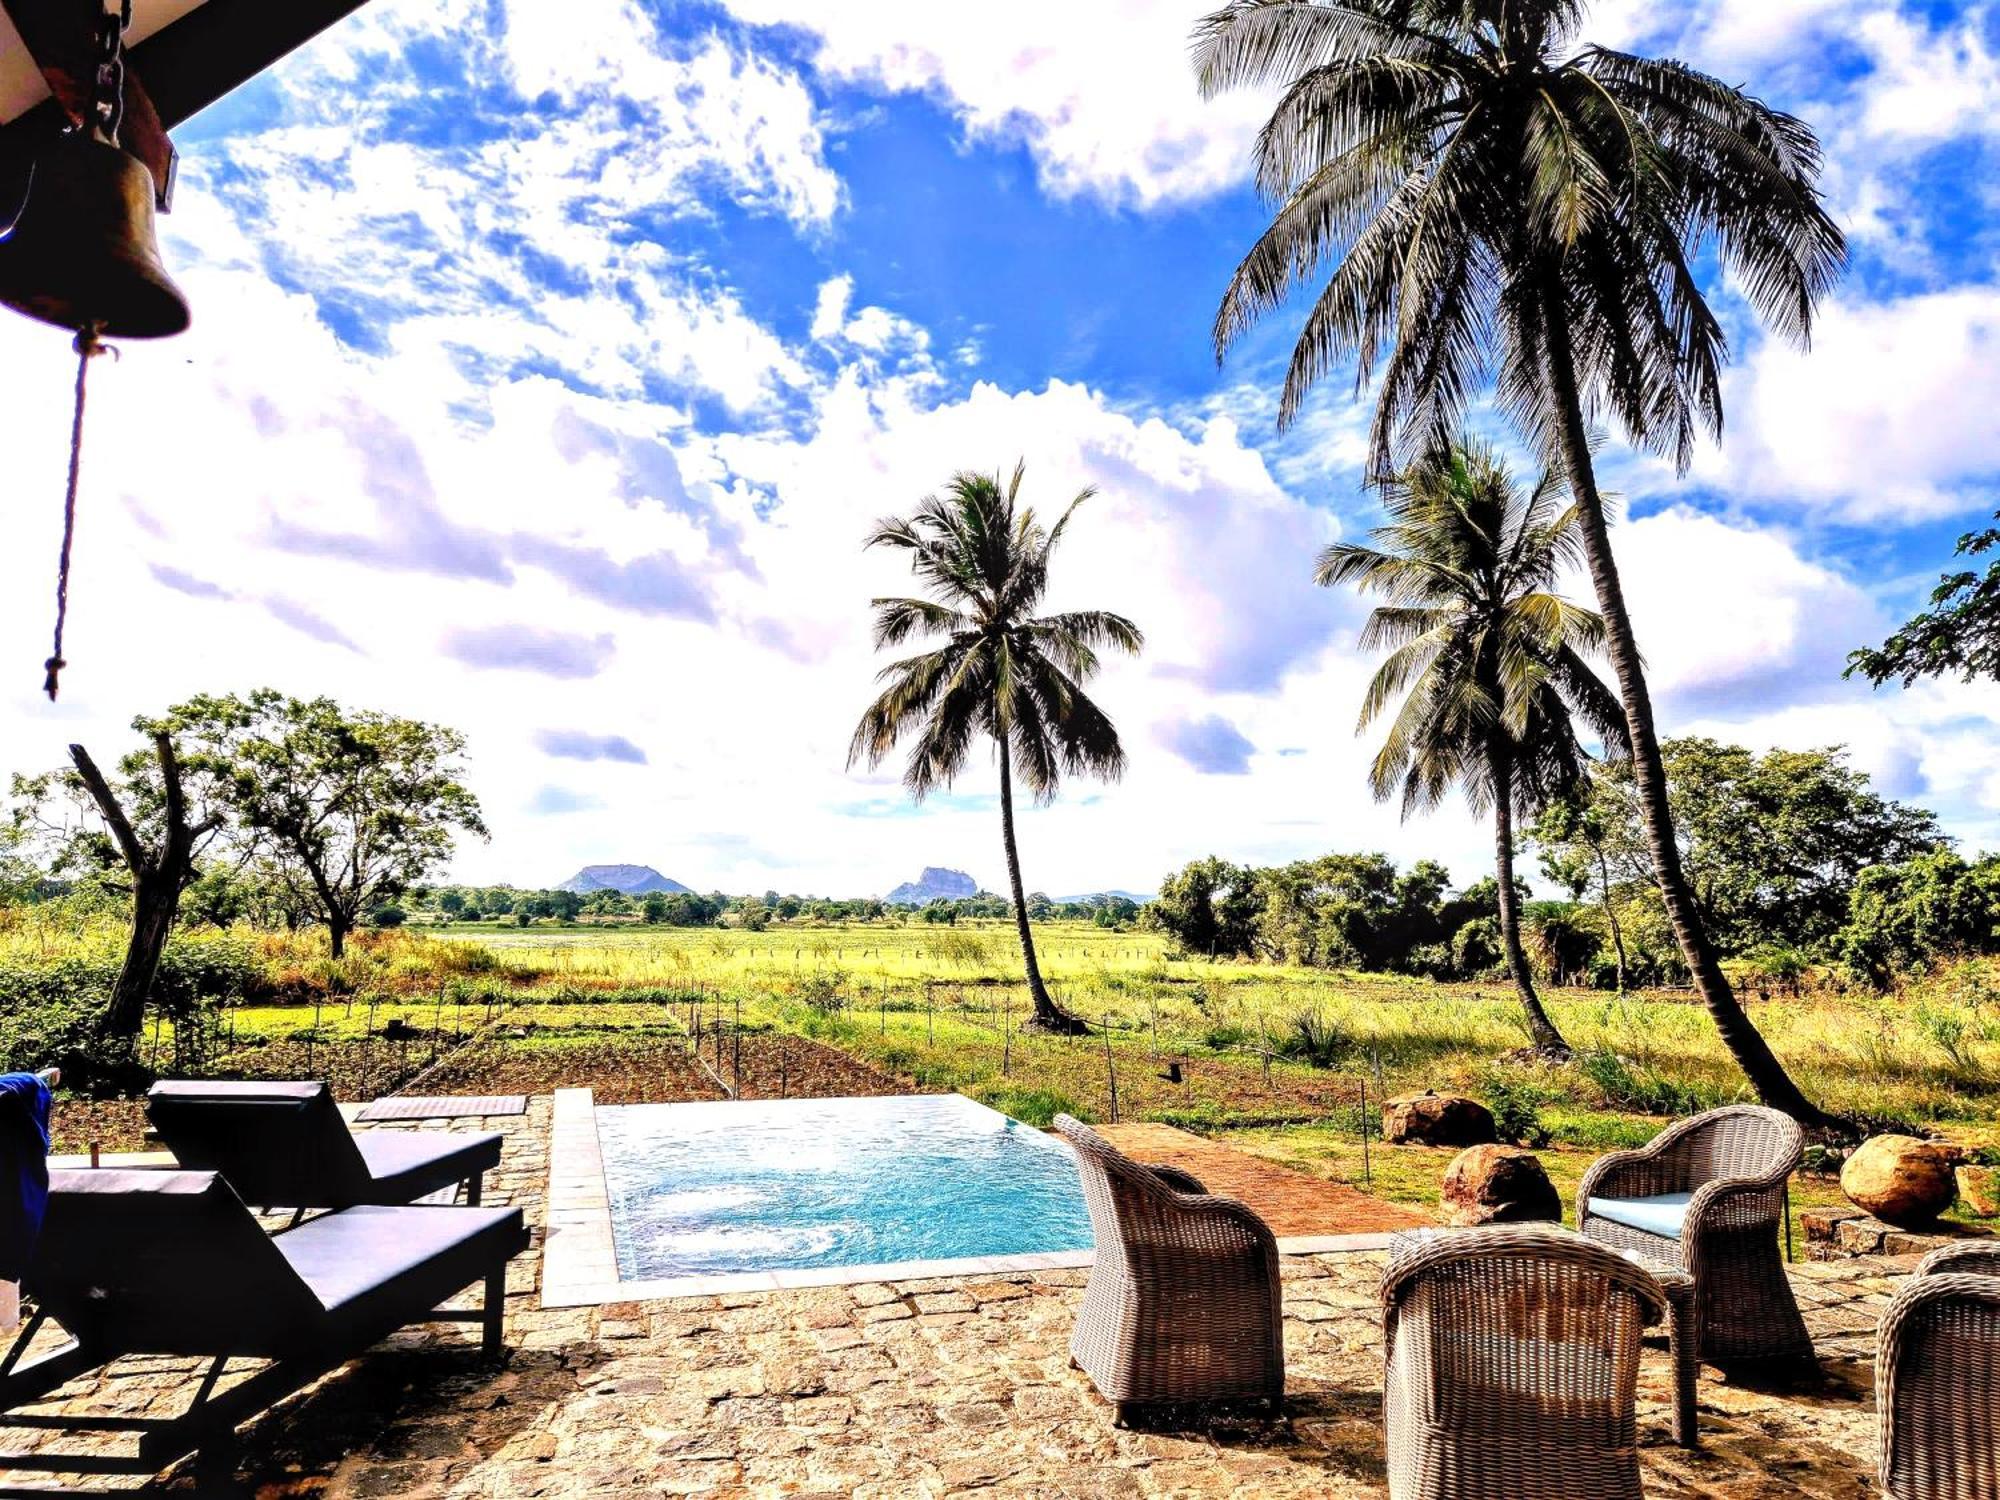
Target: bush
pixel 388 916
pixel 1316 1040
pixel 823 991
pixel 1037 1107
pixel 1646 1092
pixel 1517 1110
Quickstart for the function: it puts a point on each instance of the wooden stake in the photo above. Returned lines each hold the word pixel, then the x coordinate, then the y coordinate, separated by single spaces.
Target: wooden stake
pixel 1110 1069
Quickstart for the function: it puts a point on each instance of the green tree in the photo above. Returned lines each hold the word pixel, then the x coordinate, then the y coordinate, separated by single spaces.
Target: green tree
pixel 1959 634
pixel 1002 672
pixel 144 832
pixel 653 910
pixel 1486 659
pixel 1772 844
pixel 1495 201
pixel 1210 908
pixel 1574 838
pixel 1905 916
pixel 350 808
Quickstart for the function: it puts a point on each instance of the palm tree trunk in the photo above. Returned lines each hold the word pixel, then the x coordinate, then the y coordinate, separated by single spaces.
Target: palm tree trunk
pixel 1745 1043
pixel 1541 1030
pixel 1048 1015
pixel 1611 916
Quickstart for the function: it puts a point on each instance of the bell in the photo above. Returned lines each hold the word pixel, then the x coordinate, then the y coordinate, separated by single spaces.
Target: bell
pixel 81 252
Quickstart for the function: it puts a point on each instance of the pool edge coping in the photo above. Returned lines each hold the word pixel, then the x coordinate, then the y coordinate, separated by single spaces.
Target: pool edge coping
pixel 580 1254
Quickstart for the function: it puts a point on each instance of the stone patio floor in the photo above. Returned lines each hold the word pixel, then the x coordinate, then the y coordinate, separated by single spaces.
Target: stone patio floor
pixel 925 1388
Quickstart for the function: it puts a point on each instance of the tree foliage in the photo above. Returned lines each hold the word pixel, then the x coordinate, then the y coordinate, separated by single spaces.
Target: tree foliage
pixel 1958 635
pixel 349 807
pixel 1908 916
pixel 1772 843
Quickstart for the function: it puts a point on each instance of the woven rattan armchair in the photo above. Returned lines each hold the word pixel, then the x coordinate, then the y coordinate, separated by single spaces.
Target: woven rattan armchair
pixel 1937 1379
pixel 1708 1195
pixel 1513 1364
pixel 1182 1303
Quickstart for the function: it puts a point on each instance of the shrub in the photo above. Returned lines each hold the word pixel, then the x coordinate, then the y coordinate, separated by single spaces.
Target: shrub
pixel 1031 1106
pixel 823 990
pixel 1643 1090
pixel 1317 1040
pixel 1517 1110
pixel 388 916
pixel 1949 1031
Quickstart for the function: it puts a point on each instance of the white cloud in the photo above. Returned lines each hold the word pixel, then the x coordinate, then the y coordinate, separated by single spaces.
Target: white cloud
pixel 1889 415
pixel 1928 86
pixel 1731 613
pixel 1102 93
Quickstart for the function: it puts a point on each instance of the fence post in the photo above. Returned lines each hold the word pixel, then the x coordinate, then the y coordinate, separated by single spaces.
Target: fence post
pixel 1367 1173
pixel 1110 1068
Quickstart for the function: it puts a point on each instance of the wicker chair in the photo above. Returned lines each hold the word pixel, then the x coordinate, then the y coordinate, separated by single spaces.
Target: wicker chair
pixel 1182 1303
pixel 1937 1379
pixel 1513 1362
pixel 1708 1195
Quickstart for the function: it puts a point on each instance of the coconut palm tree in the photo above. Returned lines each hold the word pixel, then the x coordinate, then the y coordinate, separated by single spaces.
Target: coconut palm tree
pixel 1483 198
pixel 1002 671
pixel 1487 659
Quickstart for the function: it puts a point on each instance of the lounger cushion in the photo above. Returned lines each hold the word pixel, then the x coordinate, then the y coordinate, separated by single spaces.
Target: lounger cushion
pixel 286 1145
pixel 173 1263
pixel 1662 1215
pixel 406 1164
pixel 369 1262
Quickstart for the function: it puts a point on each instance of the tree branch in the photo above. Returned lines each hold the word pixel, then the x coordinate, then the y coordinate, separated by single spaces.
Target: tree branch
pixel 129 846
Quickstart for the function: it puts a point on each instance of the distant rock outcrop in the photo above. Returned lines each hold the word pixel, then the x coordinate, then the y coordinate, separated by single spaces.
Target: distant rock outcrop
pixel 633 880
pixel 934 885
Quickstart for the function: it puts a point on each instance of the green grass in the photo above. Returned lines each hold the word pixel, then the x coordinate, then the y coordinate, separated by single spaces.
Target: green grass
pixel 943 1007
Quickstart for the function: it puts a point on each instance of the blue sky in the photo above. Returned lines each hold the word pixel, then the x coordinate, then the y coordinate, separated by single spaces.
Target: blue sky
pixel 550 362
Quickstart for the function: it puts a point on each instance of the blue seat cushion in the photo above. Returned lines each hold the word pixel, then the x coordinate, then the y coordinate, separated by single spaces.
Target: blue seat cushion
pixel 1662 1216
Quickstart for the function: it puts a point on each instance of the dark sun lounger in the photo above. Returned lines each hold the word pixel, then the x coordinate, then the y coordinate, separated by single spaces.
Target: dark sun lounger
pixel 173 1263
pixel 285 1145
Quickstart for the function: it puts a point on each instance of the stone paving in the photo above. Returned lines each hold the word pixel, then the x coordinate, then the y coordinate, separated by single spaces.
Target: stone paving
pixel 931 1388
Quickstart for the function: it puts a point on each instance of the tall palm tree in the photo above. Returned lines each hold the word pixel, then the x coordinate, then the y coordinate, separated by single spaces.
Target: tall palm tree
pixel 1489 200
pixel 1487 658
pixel 1002 670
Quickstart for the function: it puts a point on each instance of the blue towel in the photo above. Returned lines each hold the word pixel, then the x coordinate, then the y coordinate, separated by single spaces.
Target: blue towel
pixel 24 1169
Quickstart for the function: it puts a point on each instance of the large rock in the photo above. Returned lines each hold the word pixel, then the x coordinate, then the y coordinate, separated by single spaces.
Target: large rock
pixel 1979 1190
pixel 1498 1185
pixel 1901 1180
pixel 1429 1119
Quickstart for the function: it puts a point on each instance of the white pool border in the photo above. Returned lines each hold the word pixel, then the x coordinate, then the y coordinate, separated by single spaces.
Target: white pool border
pixel 580 1250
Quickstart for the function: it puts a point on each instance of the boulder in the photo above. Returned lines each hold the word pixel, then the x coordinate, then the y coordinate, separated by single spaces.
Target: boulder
pixel 1979 1190
pixel 1498 1185
pixel 1901 1180
pixel 1431 1119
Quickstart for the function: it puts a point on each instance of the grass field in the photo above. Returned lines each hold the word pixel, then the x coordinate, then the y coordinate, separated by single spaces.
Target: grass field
pixel 1280 1058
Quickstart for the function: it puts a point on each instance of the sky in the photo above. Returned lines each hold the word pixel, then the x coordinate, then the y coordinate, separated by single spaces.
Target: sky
pixel 550 362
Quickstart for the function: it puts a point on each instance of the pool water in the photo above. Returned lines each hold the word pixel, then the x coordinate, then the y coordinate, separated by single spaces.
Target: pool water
pixel 714 1189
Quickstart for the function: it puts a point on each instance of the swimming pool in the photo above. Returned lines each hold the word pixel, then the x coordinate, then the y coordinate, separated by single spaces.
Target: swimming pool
pixel 811 1185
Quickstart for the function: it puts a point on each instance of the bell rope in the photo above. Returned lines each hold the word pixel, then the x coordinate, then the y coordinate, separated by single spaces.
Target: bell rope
pixel 88 347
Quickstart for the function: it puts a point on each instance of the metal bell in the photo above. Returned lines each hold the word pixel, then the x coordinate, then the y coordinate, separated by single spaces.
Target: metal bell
pixel 82 254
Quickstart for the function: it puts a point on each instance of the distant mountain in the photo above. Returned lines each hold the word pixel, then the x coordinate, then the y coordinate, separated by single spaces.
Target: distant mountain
pixel 934 885
pixel 633 880
pixel 1133 896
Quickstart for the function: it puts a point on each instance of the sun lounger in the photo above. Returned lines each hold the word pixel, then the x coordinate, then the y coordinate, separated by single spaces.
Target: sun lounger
pixel 173 1263
pixel 285 1145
